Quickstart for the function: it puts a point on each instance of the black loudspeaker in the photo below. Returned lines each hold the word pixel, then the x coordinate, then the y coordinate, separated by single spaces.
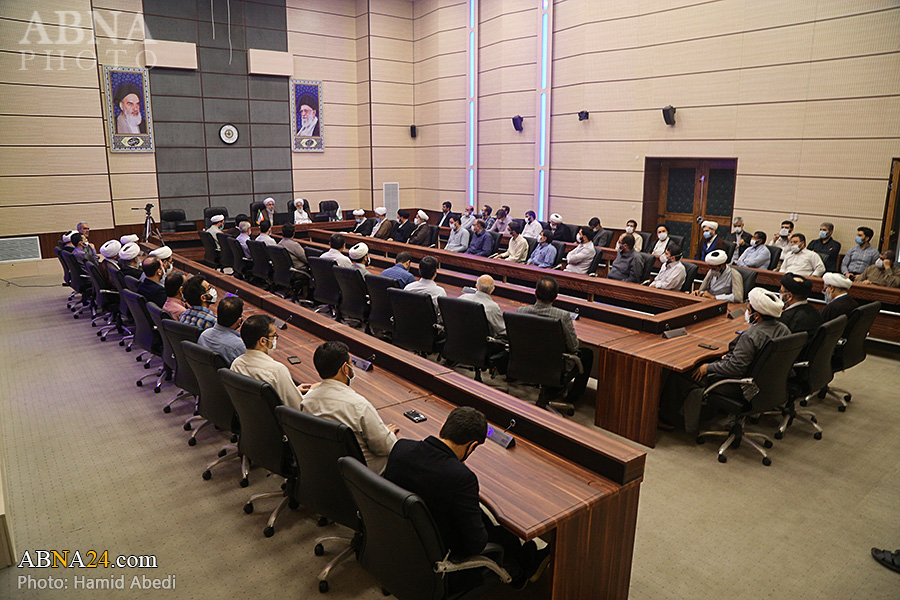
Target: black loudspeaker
pixel 584 115
pixel 412 131
pixel 674 333
pixel 517 122
pixel 669 114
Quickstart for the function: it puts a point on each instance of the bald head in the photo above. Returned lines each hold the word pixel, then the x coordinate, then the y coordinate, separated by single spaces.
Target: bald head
pixel 485 284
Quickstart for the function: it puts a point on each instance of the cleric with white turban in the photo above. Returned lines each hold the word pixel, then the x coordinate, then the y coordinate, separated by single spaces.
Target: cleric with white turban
pixel 722 282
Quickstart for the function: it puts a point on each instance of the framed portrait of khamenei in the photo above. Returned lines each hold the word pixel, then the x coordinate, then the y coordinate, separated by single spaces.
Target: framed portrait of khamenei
pixel 306 111
pixel 128 109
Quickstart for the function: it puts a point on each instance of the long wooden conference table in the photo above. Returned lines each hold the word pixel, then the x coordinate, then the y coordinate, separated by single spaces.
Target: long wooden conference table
pixel 574 487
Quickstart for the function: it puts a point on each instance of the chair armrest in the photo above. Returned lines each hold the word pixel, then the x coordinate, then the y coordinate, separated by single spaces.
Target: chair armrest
pixel 748 386
pixel 801 365
pixel 577 360
pixel 472 562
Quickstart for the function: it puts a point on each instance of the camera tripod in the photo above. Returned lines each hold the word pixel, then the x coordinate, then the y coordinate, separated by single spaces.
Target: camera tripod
pixel 150 227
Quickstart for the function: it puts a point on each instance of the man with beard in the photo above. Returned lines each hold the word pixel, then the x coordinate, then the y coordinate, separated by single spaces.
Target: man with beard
pixel 130 119
pixel 309 119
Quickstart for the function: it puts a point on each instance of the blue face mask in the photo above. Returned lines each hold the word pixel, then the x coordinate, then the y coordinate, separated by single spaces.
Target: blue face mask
pixel 859 240
pixel 707 234
pixel 823 234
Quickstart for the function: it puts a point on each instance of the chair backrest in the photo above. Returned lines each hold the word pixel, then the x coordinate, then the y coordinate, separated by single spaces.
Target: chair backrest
pixel 354 295
pixel 137 306
pixel 117 277
pixel 771 368
pixel 467 331
pixel 262 268
pixel 255 209
pixel 281 265
pixel 729 248
pixel 172 215
pixel 329 207
pixel 415 321
pixel 211 256
pixel 595 262
pixel 859 322
pixel 327 290
pixel 819 351
pixel 748 278
pixel 77 279
pixel 647 263
pixel 647 240
pixel 102 297
pixel 132 283
pixel 560 251
pixel 532 244
pixel 401 543
pixel 381 315
pixel 175 333
pixel 157 316
pixel 317 444
pixel 536 348
pixel 213 402
pixel 435 235
pixel 226 256
pixel 313 252
pixel 67 276
pixel 774 257
pixel 240 262
pixel 262 439
pixel 690 274
pixel 495 241
pixel 678 239
pixel 212 211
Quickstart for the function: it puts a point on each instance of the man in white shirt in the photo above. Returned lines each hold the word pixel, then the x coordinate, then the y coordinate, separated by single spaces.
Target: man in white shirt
pixel 359 257
pixel 244 236
pixel 333 399
pixel 335 253
pixel 782 239
pixel 630 227
pixel 672 274
pixel 580 258
pixel 517 251
pixel 459 236
pixel 444 221
pixel 533 227
pixel 264 237
pixel 484 287
pixel 428 267
pixel 259 337
pixel 215 226
pixel 468 218
pixel 800 261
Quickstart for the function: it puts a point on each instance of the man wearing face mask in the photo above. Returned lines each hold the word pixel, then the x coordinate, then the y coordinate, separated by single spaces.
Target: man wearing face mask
pixel 798 314
pixel 662 241
pixel 533 227
pixel 782 239
pixel 561 232
pixel 579 260
pixel 468 218
pixel 224 336
pixel 545 253
pixel 150 288
pixel 359 257
pixel 517 251
pixel 627 265
pixel 884 272
pixel 799 260
pixel 599 236
pixel 199 296
pixel 711 241
pixel 382 227
pixel 404 227
pixel 459 236
pixel 333 399
pixel 421 235
pixel 827 245
pixel 164 254
pixel 630 228
pixel 260 339
pixel 721 282
pixel 860 256
pixel 755 255
pixel 363 225
pixel 435 470
pixel 682 397
pixel 672 274
pixel 739 237
pixel 837 299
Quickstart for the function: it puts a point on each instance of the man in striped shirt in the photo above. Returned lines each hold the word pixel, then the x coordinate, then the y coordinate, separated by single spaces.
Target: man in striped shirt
pixel 200 296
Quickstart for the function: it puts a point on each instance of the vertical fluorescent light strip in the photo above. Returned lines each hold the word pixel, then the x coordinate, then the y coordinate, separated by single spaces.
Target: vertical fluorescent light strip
pixel 542 163
pixel 543 129
pixel 472 99
pixel 541 192
pixel 472 62
pixel 544 41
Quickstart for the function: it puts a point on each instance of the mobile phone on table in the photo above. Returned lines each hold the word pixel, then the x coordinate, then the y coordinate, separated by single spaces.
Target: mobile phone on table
pixel 294 360
pixel 415 416
pixel 708 346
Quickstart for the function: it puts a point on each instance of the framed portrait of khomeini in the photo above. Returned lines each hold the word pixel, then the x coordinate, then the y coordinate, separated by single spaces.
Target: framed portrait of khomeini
pixel 306 120
pixel 128 109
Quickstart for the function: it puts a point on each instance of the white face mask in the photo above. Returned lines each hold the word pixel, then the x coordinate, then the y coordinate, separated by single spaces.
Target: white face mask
pixel 350 375
pixel 271 349
pixel 629 229
pixel 417 220
pixel 579 238
pixel 754 242
pixel 795 248
pixel 737 229
pixel 747 316
pixel 663 259
pixel 879 263
pixel 784 231
pixel 662 236
pixel 211 294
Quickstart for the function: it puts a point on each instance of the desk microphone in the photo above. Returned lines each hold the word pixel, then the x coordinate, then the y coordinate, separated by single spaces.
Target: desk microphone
pixel 501 437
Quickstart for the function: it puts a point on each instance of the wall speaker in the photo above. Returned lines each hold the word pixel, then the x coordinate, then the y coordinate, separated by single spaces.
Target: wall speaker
pixel 584 115
pixel 412 131
pixel 674 333
pixel 669 115
pixel 517 122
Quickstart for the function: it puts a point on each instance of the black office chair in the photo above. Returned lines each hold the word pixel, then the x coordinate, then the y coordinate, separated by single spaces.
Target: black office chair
pixel 313 252
pixel 157 315
pixel 532 244
pixel 354 295
pixel 123 316
pixel 811 374
pixel 763 389
pixel 381 315
pixel 317 444
pixel 729 249
pixel 67 276
pixel 646 241
pixel 213 403
pixel 495 243
pixel 690 274
pixel 469 342
pixel 212 211
pixel 240 264
pixel 402 547
pixel 748 278
pixel 647 263
pixel 174 219
pixel 105 301
pixel 132 283
pixel 255 209
pixel 145 335
pixel 678 240
pixel 212 256
pixel 326 290
pixel 538 356
pixel 774 257
pixel 560 252
pixel 262 268
pixel 595 263
pixel 851 349
pixel 173 333
pixel 435 236
pixel 80 284
pixel 284 275
pixel 330 208
pixel 262 439
pixel 416 325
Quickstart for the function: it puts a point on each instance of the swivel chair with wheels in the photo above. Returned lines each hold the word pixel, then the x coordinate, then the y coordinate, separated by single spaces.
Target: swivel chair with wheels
pixel 381 315
pixel 416 325
pixel 326 292
pixel 354 295
pixel 851 348
pixel 173 333
pixel 468 341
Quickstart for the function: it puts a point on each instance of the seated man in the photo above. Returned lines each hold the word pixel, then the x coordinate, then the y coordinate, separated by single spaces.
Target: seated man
pixel 444 221
pixel 599 236
pixel 109 252
pixel 268 213
pixel 82 252
pixel 517 251
pixel 501 223
pixel 421 235
pixel 223 337
pixel 244 236
pixel 459 236
pixel 468 218
pixel 859 257
pixel 215 227
pixel 800 261
pixel 336 252
pixel 294 248
pixel 486 211
pixel 827 245
pixel 711 241
pixel 681 399
pixel 363 225
pixel 545 253
pixel 150 288
pixel 481 242
pixel 545 292
pixel 382 227
pixel 672 274
pixel 404 227
pixel 400 270
pixel 798 314
pixel 484 287
pixel 782 239
pixel 630 228
pixel 359 258
pixel 199 296
pixel 580 258
pixel 435 470
pixel 174 298
pixel 533 227
pixel 837 299
pixel 129 262
pixel 164 254
pixel 428 267
pixel 884 272
pixel 333 399
pixel 259 337
pixel 627 264
pixel 302 211
pixel 560 232
pixel 739 237
pixel 721 282
pixel 662 240
pixel 755 255
pixel 264 227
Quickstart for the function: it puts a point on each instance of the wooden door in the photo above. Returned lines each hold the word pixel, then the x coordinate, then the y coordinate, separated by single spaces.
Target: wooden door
pixel 891 220
pixel 692 190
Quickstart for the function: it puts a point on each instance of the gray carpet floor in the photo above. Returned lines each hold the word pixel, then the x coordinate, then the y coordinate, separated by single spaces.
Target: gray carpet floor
pixel 92 463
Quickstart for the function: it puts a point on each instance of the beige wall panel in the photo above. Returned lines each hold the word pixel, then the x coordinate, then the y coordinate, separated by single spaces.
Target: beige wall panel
pixel 391 49
pixel 392 136
pixel 115 53
pixel 772 46
pixel 340 136
pixel 571 43
pixel 310 44
pixel 131 163
pixel 837 38
pixel 322 180
pixel 606 155
pixel 453 134
pixel 857 197
pixel 28 100
pixel 507 105
pixel 501 131
pixel 86 160
pixel 63 41
pixel 775 84
pixel 339 115
pixel 337 91
pixel 391 27
pixel 316 23
pixel 444 42
pixel 769 193
pixel 500 156
pixel 777 14
pixel 868 76
pixel 507 79
pixel 59 189
pixel 688 148
pixel 441 157
pixel 51 131
pixel 348 8
pixel 506 181
pixel 848 158
pixel 762 121
pixel 43 70
pixel 333 158
pixel 569 14
pixel 569 100
pixel 568 72
pixel 127 186
pixel 866 117
pixel 768 157
pixel 392 93
pixel 113 24
pixel 612 213
pixel 445 88
pixel 393 158
pixel 444 65
pixel 446 18
pixel 49 12
pixel 57 218
pixel 508 52
pixel 445 111
pixel 694 21
pixel 392 8
pixel 395 115
pixel 135 6
pixel 835 8
pixel 493 9
pixel 509 26
pixel 621 185
pixel 390 70
pixel 125 216
pixel 424 9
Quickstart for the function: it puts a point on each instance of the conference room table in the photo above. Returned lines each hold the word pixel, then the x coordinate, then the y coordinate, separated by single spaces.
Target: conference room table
pixel 575 488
